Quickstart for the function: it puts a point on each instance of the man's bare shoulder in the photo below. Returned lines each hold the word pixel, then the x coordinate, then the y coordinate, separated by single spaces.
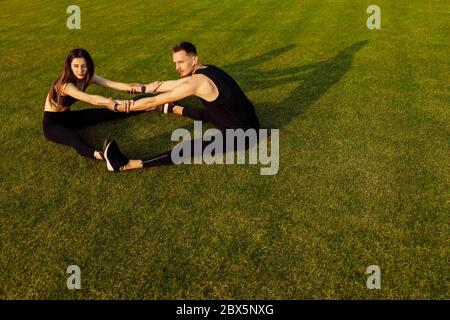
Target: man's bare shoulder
pixel 205 87
pixel 198 77
pixel 201 80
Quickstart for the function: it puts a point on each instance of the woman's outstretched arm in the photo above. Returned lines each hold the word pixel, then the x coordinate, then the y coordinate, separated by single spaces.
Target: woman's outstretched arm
pixel 71 90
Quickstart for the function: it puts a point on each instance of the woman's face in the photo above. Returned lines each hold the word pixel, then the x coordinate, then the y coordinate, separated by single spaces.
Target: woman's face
pixel 79 68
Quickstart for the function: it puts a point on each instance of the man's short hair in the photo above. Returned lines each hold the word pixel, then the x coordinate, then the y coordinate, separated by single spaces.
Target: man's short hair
pixel 186 46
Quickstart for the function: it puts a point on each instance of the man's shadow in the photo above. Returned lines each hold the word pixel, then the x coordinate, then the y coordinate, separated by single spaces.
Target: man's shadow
pixel 312 81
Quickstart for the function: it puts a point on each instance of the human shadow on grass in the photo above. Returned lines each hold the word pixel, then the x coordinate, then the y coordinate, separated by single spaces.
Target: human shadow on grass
pixel 312 82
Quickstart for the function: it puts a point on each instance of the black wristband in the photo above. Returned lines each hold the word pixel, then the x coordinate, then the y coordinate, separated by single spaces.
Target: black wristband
pixel 143 88
pixel 115 107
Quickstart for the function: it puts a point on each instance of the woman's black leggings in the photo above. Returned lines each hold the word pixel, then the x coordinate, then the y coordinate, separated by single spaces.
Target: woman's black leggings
pixel 60 127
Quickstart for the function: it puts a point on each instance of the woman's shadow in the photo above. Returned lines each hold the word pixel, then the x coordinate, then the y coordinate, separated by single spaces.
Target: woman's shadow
pixel 312 81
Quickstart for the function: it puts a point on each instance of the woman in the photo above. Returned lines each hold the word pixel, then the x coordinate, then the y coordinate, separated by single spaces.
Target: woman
pixel 59 122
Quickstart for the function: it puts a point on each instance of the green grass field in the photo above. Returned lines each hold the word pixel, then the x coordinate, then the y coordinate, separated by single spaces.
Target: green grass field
pixel 364 155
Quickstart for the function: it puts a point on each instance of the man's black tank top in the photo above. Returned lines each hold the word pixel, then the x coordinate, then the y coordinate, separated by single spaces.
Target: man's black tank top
pixel 231 109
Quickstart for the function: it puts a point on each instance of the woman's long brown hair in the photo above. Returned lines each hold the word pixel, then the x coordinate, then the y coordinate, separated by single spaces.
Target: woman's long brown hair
pixel 68 77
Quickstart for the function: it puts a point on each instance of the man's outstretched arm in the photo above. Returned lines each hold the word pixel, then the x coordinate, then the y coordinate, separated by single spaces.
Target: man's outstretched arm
pixel 164 86
pixel 157 86
pixel 184 89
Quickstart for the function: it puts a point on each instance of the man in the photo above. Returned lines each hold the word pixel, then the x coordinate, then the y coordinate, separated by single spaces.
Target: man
pixel 226 106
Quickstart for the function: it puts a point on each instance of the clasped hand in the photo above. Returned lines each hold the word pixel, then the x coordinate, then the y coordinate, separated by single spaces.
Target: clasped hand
pixel 120 105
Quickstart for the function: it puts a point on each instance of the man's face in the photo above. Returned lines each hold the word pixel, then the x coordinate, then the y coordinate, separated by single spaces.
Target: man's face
pixel 184 63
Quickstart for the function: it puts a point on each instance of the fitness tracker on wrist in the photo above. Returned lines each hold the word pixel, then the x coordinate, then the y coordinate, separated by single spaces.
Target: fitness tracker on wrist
pixel 143 88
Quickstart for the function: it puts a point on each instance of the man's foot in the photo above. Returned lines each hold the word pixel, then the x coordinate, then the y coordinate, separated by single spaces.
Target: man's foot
pixel 166 108
pixel 114 158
